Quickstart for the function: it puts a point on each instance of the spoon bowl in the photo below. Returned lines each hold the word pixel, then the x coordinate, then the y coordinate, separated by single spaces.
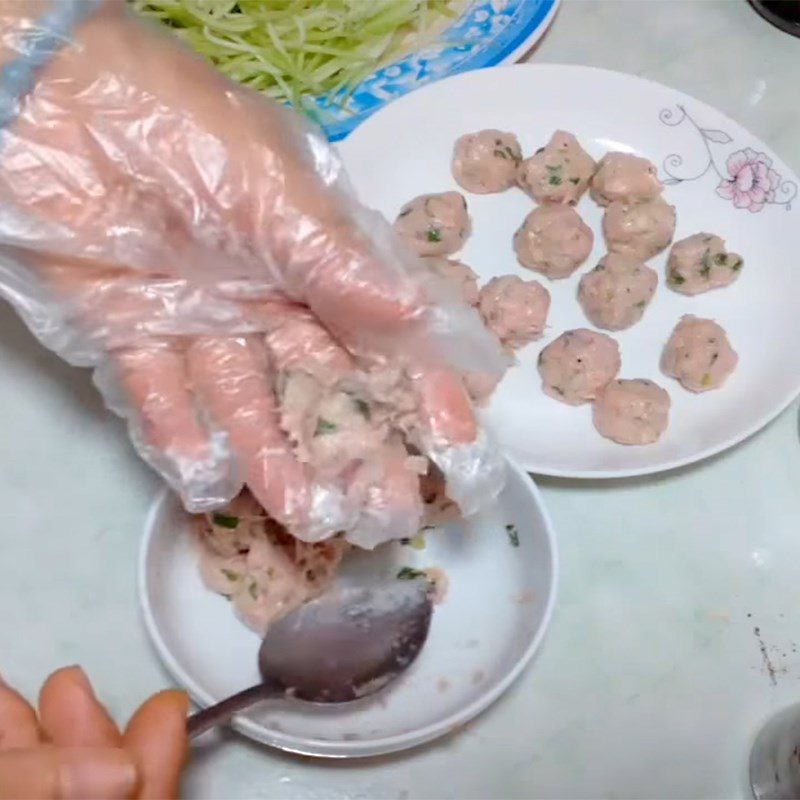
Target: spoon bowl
pixel 347 644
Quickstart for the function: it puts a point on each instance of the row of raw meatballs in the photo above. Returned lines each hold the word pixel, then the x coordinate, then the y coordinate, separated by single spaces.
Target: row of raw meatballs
pixel 581 366
pixel 554 240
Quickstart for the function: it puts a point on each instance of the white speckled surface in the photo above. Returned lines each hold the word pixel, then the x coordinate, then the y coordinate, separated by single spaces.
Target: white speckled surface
pixel 652 682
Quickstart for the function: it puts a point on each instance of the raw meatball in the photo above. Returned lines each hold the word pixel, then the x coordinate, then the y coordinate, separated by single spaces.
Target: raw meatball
pixel 434 224
pixel 624 177
pixel 616 292
pixel 631 412
pixel 641 230
pixel 458 275
pixel 698 354
pixel 486 161
pixel 700 262
pixel 553 240
pixel 557 173
pixel 515 311
pixel 577 365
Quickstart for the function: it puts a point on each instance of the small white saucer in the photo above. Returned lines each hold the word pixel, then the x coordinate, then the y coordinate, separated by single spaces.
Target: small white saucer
pixel 502 569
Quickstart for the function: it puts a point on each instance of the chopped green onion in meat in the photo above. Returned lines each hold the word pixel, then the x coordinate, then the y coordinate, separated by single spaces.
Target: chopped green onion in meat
pixel 324 427
pixel 513 535
pixel 410 574
pixel 225 521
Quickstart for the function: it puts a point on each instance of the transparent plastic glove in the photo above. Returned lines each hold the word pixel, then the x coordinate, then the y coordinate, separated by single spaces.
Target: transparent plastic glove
pixel 72 749
pixel 152 212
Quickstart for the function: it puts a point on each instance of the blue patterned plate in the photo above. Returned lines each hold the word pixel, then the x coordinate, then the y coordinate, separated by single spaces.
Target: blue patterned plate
pixel 487 33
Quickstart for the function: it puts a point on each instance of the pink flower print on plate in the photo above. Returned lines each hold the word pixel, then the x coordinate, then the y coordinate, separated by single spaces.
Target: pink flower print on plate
pixel 753 181
pixel 746 179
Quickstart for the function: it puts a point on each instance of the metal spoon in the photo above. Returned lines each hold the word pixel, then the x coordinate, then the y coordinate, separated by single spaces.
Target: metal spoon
pixel 347 644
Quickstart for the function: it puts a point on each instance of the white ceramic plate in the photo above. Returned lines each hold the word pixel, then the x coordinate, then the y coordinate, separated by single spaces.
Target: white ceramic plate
pixel 497 609
pixel 404 150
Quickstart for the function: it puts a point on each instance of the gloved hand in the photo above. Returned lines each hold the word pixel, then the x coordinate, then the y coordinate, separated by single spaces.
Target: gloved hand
pixel 159 221
pixel 72 749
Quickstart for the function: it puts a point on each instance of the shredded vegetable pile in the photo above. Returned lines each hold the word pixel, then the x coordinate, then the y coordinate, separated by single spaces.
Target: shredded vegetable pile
pixel 292 50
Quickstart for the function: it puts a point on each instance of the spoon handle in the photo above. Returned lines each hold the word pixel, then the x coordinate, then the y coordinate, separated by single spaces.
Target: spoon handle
pixel 220 713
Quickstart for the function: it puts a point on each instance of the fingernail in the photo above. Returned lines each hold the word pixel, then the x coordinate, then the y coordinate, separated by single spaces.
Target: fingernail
pixel 76 673
pixel 96 774
pixel 182 697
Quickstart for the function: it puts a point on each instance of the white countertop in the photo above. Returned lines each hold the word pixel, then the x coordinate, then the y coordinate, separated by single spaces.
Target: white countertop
pixel 653 679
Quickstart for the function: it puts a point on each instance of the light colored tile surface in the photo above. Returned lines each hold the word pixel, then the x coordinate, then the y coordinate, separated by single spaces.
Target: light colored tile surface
pixel 652 682
pixel 719 51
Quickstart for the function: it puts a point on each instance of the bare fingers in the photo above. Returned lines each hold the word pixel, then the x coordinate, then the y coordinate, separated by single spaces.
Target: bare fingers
pixel 156 736
pixel 18 724
pixel 71 715
pixel 67 773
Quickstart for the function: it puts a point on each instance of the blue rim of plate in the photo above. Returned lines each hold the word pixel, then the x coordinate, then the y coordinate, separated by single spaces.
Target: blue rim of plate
pixel 486 34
